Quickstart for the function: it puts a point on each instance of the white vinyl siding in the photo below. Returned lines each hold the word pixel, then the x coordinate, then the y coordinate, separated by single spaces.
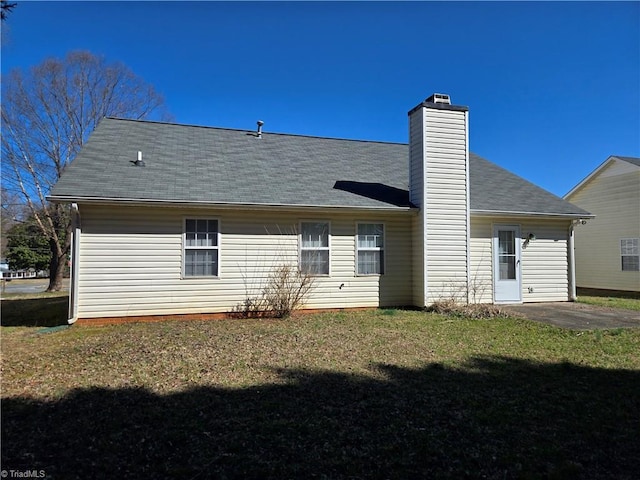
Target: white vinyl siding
pixel 131 260
pixel 370 249
pixel 630 255
pixel 418 260
pixel 438 184
pixel 544 261
pixel 481 261
pixel 613 196
pixel 416 195
pixel 445 204
pixel 416 157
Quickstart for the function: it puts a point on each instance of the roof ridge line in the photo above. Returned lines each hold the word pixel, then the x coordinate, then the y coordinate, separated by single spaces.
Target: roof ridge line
pixel 158 122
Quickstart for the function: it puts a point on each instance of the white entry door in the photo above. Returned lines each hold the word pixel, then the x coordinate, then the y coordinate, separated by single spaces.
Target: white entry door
pixel 506 264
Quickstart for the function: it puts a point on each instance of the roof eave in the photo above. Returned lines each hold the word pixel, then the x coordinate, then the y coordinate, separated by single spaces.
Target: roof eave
pixel 222 205
pixel 500 213
pixel 588 178
pixel 594 173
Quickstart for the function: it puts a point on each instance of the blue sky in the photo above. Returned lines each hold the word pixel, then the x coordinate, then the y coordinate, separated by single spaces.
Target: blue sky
pixel 553 88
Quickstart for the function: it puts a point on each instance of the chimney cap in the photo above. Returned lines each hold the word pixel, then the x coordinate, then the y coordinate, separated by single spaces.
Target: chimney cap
pixel 438 101
pixel 439 98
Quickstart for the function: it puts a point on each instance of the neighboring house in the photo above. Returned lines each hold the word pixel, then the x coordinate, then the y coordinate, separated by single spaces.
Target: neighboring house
pixel 4 266
pixel 176 219
pixel 8 274
pixel 608 247
pixel 18 274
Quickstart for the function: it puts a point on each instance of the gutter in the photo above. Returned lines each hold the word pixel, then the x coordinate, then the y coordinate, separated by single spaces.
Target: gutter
pixel 468 206
pixel 204 204
pixel 497 213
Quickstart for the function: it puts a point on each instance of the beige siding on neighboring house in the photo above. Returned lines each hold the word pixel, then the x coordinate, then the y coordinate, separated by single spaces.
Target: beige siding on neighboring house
pixel 613 195
pixel 131 260
pixel 544 261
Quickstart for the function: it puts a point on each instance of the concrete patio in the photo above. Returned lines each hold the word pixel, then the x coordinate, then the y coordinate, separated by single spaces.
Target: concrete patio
pixel 577 316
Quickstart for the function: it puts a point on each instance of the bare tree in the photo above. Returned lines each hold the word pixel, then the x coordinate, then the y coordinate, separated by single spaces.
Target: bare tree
pixel 11 213
pixel 47 115
pixel 5 9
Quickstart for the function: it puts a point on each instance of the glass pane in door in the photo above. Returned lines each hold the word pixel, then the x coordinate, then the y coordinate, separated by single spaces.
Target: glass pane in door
pixel 507 267
pixel 506 242
pixel 507 254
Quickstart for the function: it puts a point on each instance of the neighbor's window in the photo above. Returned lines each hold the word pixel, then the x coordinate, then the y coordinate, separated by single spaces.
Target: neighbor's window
pixel 201 248
pixel 370 249
pixel 314 247
pixel 630 253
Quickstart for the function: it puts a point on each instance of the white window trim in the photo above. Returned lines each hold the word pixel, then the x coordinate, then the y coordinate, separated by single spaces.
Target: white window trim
pixel 377 249
pixel 628 255
pixel 184 247
pixel 328 248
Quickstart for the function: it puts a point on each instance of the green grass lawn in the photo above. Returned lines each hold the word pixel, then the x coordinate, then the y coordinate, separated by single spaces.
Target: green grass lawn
pixel 373 394
pixel 611 301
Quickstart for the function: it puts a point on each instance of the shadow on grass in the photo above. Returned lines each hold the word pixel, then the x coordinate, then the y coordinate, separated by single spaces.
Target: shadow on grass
pixel 495 418
pixel 45 311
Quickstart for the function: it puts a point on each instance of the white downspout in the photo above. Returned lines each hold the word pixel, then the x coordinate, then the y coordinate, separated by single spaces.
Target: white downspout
pixel 468 206
pixel 572 262
pixel 75 251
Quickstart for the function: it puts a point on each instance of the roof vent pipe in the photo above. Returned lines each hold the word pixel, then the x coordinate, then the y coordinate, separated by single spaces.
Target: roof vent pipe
pixel 260 123
pixel 139 162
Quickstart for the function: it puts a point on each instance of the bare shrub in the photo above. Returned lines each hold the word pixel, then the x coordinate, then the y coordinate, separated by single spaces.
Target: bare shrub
pixel 452 291
pixel 251 307
pixel 477 288
pixel 475 310
pixel 459 291
pixel 284 292
pixel 286 289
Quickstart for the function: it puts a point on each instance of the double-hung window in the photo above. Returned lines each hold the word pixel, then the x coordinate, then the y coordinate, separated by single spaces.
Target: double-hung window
pixel 370 249
pixel 201 248
pixel 314 247
pixel 630 254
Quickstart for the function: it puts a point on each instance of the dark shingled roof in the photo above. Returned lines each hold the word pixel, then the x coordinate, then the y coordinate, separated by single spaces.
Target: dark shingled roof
pixel 221 166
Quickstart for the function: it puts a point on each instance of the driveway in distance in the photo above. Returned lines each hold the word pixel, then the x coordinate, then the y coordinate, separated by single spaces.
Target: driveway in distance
pixel 578 316
pixel 27 286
